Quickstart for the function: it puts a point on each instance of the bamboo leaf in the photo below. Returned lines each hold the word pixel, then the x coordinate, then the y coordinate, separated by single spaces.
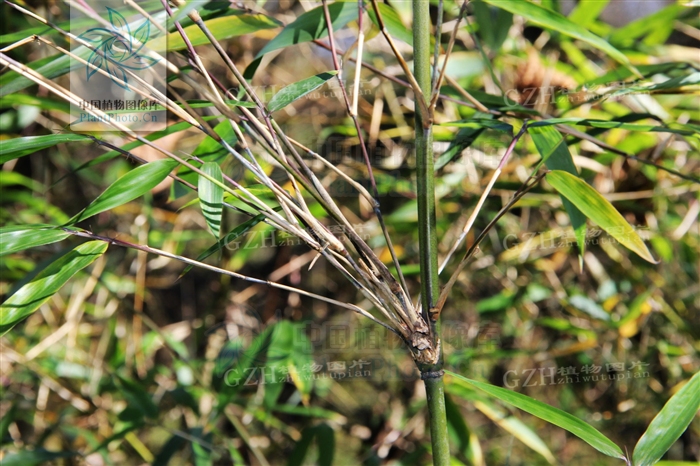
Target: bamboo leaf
pixel 49 67
pixel 32 295
pixel 517 429
pixel 209 150
pixel 587 11
pixel 480 123
pixel 289 351
pixel 325 438
pixel 555 154
pixel 656 27
pixel 18 147
pixel 553 415
pixel 211 197
pixel 494 24
pixel 456 423
pixel 223 27
pixel 312 25
pixel 45 103
pixel 299 89
pixel 301 447
pixel 232 235
pixel 326 444
pixel 615 125
pixel 134 184
pixel 669 424
pixel 555 21
pixel 598 209
pixel 392 21
pixel 21 237
pixel 307 27
pixel 35 457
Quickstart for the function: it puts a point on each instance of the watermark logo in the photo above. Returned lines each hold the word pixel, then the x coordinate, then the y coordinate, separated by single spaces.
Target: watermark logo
pixel 116 75
pixel 588 373
pixel 114 49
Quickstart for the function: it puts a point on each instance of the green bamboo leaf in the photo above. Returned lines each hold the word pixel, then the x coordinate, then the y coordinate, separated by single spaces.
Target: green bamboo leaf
pixel 669 424
pixel 168 450
pixel 312 25
pixel 134 184
pixel 456 424
pixel 326 444
pixel 21 237
pixel 676 463
pixel 656 27
pixel 32 295
pixel 464 138
pixel 49 67
pixel 392 21
pixel 175 128
pixel 310 411
pixel 232 236
pixel 605 124
pixel 517 429
pixel 494 24
pixel 209 150
pixel 203 455
pixel 325 438
pixel 307 27
pixel 8 178
pixel 18 147
pixel 36 457
pixel 299 89
pixel 553 415
pixel 223 27
pixel 555 154
pixel 587 11
pixel 598 209
pixel 301 447
pixel 289 351
pixel 211 196
pixel 555 21
pixel 480 123
pixel 43 103
pixel 620 74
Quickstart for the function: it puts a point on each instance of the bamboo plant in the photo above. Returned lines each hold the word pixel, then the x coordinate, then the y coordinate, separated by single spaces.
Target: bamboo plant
pixel 257 142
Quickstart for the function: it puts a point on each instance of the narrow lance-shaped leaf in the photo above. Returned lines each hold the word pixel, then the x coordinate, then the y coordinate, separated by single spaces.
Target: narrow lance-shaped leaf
pixel 553 415
pixel 669 424
pixel 325 438
pixel 612 124
pixel 298 90
pixel 493 25
pixel 517 429
pixel 587 11
pixel 555 21
pixel 35 457
pixel 21 237
pixel 230 237
pixel 392 21
pixel 209 150
pixel 32 295
pixel 598 209
pixel 555 154
pixel 18 147
pixel 211 196
pixel 307 27
pixel 326 444
pixel 134 184
pixel 221 28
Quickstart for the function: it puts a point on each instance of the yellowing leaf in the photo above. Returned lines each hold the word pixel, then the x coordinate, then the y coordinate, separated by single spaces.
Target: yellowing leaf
pixel 598 209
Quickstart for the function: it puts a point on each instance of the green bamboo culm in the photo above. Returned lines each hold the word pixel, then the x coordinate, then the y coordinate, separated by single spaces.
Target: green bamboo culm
pixel 427 237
